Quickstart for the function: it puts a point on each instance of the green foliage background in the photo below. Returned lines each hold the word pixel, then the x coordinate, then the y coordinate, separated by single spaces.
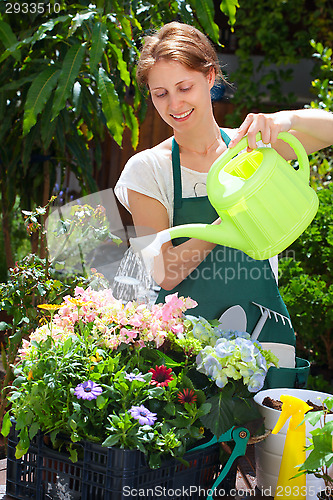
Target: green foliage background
pixel 68 78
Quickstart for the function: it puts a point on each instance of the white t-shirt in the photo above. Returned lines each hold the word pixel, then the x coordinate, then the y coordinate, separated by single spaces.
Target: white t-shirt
pixel 149 172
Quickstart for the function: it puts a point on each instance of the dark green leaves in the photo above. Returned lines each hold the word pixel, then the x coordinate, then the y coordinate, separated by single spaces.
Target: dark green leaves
pixel 69 73
pixel 228 411
pixel 38 94
pixel 110 105
pixel 8 38
pixel 205 12
pixel 98 42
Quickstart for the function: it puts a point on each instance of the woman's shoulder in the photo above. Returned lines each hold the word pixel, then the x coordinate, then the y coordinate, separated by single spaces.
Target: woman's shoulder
pixel 163 149
pixel 160 153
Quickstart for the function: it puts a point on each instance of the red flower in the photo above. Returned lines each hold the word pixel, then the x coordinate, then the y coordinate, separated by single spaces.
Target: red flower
pixel 187 396
pixel 161 375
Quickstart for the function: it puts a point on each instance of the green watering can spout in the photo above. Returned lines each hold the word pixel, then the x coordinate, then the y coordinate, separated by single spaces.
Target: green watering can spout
pixel 225 233
pixel 263 202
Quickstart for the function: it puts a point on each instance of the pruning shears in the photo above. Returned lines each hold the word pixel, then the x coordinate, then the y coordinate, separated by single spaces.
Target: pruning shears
pixel 240 436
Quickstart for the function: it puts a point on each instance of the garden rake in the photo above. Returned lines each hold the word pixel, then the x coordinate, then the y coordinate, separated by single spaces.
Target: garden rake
pixel 267 313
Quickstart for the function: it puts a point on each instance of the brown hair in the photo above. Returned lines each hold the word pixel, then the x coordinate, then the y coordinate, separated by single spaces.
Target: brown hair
pixel 177 42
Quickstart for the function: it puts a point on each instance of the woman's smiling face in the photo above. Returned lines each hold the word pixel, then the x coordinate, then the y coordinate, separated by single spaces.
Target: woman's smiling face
pixel 180 95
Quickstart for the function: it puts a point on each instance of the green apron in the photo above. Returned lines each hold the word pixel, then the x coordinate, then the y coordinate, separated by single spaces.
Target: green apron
pixel 227 276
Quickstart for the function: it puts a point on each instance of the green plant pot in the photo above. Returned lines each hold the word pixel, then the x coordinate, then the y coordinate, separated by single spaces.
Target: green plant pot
pixel 288 377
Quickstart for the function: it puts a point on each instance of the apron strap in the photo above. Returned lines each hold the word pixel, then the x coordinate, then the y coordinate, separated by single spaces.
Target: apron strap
pixel 177 180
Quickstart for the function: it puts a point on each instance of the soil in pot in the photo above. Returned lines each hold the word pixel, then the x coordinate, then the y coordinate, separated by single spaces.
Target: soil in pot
pixel 276 404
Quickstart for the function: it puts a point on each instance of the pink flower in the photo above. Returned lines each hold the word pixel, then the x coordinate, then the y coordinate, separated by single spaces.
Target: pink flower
pixel 79 290
pixel 178 328
pixel 127 336
pixel 136 320
pixel 175 306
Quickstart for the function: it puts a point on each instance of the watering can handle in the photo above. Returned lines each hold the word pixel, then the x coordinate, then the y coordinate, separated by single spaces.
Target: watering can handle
pixel 302 157
pixel 303 160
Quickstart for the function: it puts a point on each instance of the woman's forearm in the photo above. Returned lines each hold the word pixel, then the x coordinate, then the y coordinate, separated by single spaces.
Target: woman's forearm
pixel 314 127
pixel 174 264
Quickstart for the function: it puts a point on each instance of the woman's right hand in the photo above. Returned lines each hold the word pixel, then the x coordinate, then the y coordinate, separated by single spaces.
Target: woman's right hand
pixel 174 263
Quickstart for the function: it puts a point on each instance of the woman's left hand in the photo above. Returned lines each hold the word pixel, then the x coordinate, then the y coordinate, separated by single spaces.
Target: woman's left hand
pixel 313 127
pixel 268 124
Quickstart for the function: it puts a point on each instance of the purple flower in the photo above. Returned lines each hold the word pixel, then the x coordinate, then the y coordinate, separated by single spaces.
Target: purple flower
pixel 132 376
pixel 88 390
pixel 142 414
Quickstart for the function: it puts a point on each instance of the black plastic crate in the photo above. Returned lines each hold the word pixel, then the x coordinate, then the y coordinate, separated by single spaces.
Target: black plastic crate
pixel 109 473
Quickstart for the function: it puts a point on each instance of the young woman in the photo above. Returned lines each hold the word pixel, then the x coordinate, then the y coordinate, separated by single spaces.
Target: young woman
pixel 165 186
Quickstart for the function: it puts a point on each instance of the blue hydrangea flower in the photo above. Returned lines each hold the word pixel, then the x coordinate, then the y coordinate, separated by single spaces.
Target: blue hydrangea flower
pixel 224 348
pixel 233 357
pixel 246 349
pixel 256 381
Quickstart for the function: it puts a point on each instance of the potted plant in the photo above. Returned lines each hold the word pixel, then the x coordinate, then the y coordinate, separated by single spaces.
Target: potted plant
pixel 269 451
pixel 320 459
pixel 129 377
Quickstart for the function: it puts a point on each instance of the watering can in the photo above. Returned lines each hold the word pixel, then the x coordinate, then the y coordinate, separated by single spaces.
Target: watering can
pixel 263 202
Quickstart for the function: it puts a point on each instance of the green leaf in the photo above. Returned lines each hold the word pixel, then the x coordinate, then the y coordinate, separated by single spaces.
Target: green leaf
pixel 127 27
pixel 229 7
pixel 34 428
pixel 170 408
pixel 8 38
pixel 38 94
pixel 53 436
pixel 205 13
pixel 110 105
pixel 204 409
pixel 6 424
pixel 73 454
pixel 98 42
pixel 121 64
pixel 69 72
pixel 111 441
pixel 19 452
pixel 48 127
pixel 169 362
pixel 77 147
pixel 24 441
pixel 48 26
pixel 101 401
pixel 133 124
pixel 18 84
pixel 79 19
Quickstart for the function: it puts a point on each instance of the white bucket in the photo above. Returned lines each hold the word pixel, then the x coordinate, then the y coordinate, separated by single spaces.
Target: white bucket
pixel 269 452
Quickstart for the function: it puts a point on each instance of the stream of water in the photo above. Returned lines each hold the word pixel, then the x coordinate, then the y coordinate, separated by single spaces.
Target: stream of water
pixel 132 282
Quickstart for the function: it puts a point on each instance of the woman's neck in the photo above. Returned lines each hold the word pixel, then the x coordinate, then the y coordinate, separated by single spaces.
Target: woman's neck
pixel 200 155
pixel 199 143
